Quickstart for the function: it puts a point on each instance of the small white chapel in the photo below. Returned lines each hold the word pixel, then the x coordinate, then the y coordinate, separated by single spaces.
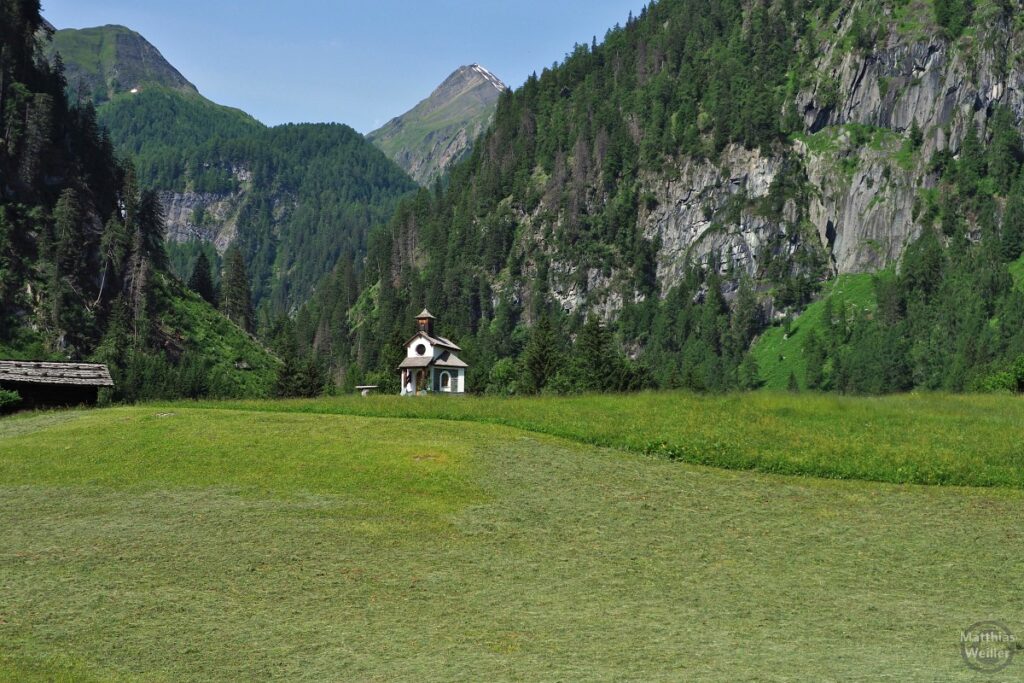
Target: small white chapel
pixel 430 364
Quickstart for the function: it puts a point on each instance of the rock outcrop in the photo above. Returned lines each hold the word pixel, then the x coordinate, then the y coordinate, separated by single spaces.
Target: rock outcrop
pixel 861 175
pixel 862 172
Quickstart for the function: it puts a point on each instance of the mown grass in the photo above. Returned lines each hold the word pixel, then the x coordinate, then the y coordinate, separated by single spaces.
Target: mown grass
pixel 918 438
pixel 253 455
pixel 177 544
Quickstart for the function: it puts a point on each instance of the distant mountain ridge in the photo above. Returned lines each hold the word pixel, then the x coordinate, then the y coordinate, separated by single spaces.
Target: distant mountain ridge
pixel 104 61
pixel 441 129
pixel 296 198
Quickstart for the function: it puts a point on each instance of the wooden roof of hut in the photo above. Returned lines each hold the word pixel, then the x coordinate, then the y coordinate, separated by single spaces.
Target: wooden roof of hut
pixel 35 372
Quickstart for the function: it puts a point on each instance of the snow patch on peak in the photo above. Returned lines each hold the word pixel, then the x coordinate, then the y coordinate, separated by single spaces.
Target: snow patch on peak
pixel 491 78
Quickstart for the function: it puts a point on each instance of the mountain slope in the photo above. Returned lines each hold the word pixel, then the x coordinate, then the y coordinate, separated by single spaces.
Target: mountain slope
pixel 704 171
pixel 82 263
pixel 441 129
pixel 159 127
pixel 297 198
pixel 103 61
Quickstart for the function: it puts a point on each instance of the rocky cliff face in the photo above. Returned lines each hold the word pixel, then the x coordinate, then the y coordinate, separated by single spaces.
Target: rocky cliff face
pixel 863 173
pixel 861 177
pixel 103 61
pixel 202 216
pixel 441 129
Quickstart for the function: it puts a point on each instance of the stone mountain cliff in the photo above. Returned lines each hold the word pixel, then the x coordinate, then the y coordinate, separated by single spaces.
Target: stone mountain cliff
pixel 862 178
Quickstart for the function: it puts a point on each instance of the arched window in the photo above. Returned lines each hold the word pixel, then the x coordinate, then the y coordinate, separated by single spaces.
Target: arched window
pixel 446 381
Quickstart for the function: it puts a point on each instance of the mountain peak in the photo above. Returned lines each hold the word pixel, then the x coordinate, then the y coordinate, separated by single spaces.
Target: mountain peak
pixel 104 61
pixel 488 76
pixel 441 129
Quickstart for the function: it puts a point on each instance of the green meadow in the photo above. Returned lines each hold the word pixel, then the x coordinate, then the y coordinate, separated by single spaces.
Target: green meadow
pixel 903 439
pixel 471 539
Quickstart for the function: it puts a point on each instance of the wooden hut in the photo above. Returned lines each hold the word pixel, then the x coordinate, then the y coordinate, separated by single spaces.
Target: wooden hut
pixel 51 385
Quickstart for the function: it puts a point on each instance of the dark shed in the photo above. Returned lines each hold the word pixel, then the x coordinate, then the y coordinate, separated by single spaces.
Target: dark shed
pixel 48 385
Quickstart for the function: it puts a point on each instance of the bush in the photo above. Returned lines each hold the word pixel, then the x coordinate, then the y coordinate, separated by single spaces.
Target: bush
pixel 1011 380
pixel 8 400
pixel 504 378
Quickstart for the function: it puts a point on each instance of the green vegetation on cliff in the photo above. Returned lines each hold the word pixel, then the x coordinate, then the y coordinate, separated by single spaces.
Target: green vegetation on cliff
pixel 161 128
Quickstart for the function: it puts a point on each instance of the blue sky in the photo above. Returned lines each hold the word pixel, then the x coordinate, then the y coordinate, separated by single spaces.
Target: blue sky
pixel 357 62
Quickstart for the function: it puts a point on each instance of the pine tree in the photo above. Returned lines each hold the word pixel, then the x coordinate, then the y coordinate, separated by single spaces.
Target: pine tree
pixel 793 386
pixel 1004 152
pixel 749 374
pixel 746 319
pixel 289 374
pixel 1012 236
pixel 235 296
pixel 542 358
pixel 151 229
pixel 201 282
pixel 69 239
pixel 594 358
pixel 815 353
pixel 916 135
pixel 68 263
pixel 972 166
pixel 312 378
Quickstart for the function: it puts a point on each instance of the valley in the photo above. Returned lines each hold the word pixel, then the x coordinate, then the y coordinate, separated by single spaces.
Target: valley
pixel 697 354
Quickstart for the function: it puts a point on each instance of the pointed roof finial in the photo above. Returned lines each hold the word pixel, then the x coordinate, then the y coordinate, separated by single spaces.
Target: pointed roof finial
pixel 425 314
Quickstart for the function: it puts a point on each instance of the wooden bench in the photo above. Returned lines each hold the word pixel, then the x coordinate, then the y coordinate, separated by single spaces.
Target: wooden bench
pixel 366 389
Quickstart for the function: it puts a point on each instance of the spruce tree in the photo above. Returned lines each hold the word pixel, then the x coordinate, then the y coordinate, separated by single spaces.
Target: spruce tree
pixel 1012 237
pixel 542 358
pixel 68 238
pixel 151 225
pixel 916 135
pixel 749 374
pixel 746 319
pixel 201 282
pixel 236 297
pixel 594 357
pixel 68 262
pixel 793 386
pixel 1004 154
pixel 289 374
pixel 815 353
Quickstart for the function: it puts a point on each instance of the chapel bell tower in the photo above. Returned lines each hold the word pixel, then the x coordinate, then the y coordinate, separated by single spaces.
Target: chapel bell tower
pixel 425 323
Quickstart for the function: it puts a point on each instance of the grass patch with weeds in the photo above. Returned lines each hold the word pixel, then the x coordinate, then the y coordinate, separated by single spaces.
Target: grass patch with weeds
pixel 918 438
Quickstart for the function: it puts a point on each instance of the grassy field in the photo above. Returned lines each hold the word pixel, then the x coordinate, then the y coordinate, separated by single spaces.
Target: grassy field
pixel 914 438
pixel 289 541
